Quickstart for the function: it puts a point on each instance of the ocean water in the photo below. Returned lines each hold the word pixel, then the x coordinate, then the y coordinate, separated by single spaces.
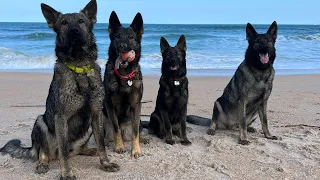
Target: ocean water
pixel 30 47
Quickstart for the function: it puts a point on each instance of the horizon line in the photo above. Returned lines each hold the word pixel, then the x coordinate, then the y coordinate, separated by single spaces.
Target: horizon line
pixel 315 24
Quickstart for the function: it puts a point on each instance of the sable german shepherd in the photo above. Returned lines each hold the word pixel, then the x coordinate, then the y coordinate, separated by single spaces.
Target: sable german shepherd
pixel 170 113
pixel 73 106
pixel 123 83
pixel 246 95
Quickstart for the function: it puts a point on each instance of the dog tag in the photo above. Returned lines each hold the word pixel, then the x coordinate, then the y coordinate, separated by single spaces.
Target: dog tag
pixel 176 83
pixel 129 83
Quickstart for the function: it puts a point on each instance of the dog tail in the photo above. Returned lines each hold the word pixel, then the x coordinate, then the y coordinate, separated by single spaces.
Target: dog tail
pixel 14 149
pixel 144 124
pixel 197 120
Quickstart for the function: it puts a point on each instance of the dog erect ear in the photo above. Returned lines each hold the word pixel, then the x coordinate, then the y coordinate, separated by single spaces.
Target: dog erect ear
pixel 251 32
pixel 137 25
pixel 114 22
pixel 49 14
pixel 182 43
pixel 273 30
pixel 163 44
pixel 91 11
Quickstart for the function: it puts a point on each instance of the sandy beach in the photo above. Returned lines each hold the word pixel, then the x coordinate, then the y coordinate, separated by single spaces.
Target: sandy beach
pixel 293 112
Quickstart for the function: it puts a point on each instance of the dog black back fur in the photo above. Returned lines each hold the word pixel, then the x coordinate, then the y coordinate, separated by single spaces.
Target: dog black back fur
pixel 246 95
pixel 171 106
pixel 123 96
pixel 73 106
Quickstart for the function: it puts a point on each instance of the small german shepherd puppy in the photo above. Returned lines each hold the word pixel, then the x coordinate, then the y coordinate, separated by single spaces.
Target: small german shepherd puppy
pixel 123 82
pixel 170 113
pixel 246 95
pixel 73 106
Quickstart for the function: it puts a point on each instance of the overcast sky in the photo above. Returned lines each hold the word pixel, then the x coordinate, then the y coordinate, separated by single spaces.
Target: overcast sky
pixel 175 11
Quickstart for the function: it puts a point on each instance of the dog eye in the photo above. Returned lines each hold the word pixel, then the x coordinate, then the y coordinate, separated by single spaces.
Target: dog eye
pixel 80 21
pixel 131 37
pixel 64 22
pixel 118 36
pixel 257 41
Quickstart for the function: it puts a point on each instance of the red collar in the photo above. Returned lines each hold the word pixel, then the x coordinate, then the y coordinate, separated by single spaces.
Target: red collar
pixel 127 77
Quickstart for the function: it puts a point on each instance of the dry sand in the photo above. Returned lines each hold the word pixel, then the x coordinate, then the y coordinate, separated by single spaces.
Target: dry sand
pixel 295 100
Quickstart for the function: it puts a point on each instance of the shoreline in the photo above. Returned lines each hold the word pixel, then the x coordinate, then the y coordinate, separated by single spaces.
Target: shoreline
pixel 155 72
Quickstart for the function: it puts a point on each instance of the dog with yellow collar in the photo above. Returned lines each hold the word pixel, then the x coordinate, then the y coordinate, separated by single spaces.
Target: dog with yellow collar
pixel 74 103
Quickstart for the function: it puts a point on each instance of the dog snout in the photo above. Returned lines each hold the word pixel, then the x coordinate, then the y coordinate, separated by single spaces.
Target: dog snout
pixel 74 31
pixel 173 62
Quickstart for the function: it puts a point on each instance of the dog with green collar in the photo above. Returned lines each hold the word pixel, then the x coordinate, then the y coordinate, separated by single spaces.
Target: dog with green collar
pixel 74 103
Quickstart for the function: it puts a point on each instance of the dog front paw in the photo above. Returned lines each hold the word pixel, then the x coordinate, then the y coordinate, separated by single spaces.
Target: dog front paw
pixel 42 168
pixel 244 142
pixel 274 137
pixel 111 167
pixel 136 154
pixel 170 141
pixel 120 150
pixel 211 132
pixel 185 142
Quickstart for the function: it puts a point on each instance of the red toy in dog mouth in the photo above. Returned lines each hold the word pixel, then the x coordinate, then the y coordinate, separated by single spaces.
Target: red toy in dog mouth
pixel 128 56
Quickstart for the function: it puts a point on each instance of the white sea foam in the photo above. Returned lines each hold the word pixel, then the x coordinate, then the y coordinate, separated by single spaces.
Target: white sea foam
pixel 12 59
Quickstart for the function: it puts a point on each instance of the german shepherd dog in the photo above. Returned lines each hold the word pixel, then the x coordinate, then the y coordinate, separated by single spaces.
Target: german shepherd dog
pixel 246 95
pixel 73 106
pixel 123 83
pixel 170 113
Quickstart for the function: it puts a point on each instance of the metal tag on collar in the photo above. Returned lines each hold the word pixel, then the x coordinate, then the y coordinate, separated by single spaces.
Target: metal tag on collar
pixel 130 83
pixel 176 83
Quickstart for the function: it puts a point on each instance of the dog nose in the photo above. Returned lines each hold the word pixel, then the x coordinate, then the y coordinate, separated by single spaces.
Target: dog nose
pixel 74 31
pixel 123 46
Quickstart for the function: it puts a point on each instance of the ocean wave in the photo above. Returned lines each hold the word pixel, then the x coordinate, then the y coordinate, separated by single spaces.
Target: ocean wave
pixel 13 59
pixel 310 37
pixel 39 35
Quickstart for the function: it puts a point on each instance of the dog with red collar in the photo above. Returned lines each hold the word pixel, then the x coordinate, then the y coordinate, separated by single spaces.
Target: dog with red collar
pixel 123 84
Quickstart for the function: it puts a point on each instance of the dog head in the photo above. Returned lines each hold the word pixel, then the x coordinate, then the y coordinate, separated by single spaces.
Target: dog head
pixel 261 51
pixel 174 58
pixel 125 39
pixel 74 30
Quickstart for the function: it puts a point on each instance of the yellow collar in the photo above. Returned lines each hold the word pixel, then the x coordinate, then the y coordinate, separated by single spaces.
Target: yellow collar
pixel 80 70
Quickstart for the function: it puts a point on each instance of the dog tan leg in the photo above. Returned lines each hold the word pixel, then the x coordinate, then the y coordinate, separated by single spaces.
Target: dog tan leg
pixel 215 114
pixel 212 129
pixel 136 152
pixel 119 142
pixel 43 165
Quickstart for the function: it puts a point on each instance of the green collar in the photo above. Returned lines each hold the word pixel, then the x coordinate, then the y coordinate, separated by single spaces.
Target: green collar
pixel 80 70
